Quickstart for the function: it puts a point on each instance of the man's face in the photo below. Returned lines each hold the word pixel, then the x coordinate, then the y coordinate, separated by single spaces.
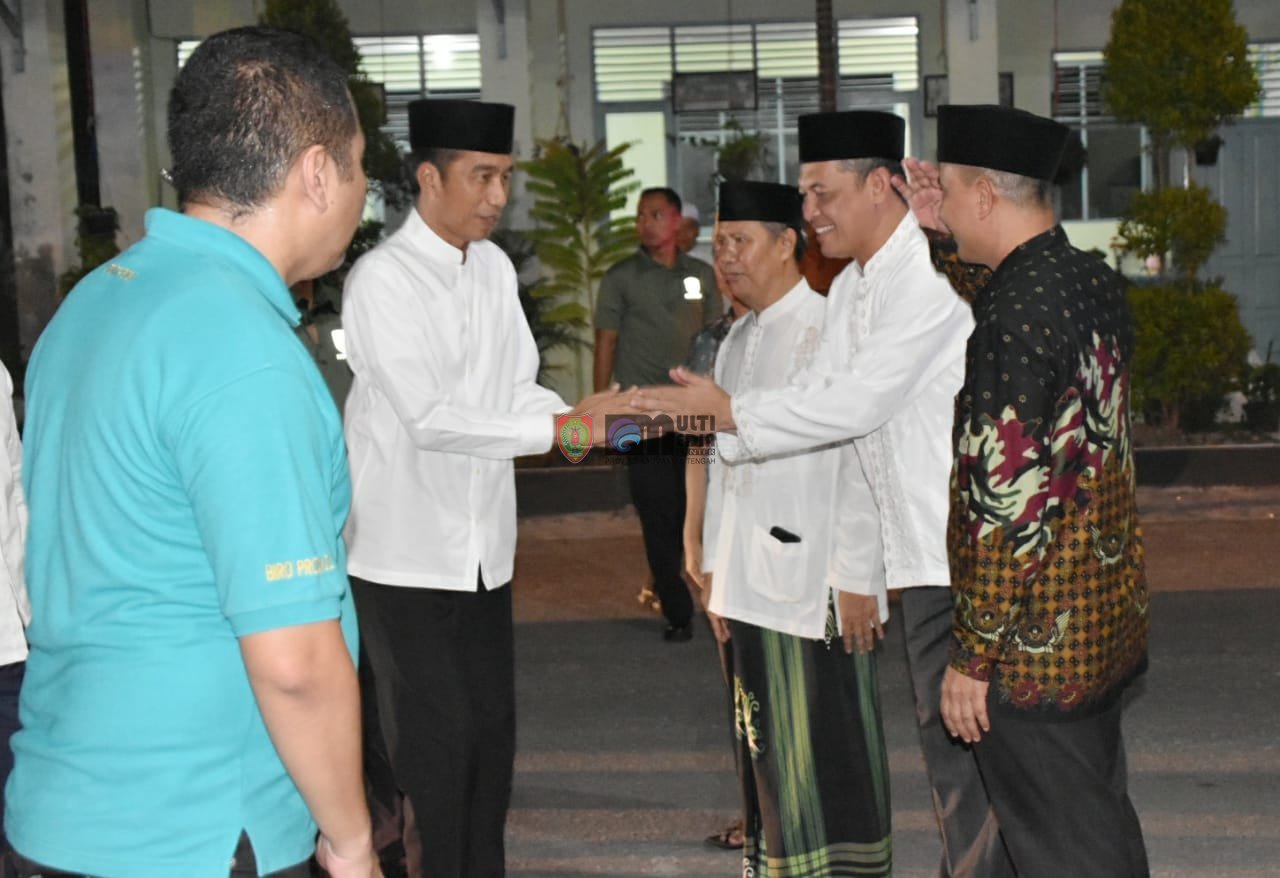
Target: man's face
pixel 657 221
pixel 839 206
pixel 959 208
pixel 349 201
pixel 468 195
pixel 750 260
pixel 687 236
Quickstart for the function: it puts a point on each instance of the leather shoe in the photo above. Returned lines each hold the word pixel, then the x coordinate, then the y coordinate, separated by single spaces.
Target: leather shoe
pixel 678 633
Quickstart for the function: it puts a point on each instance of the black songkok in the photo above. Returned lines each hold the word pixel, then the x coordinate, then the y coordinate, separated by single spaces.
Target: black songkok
pixel 468 125
pixel 761 202
pixel 1000 138
pixel 851 134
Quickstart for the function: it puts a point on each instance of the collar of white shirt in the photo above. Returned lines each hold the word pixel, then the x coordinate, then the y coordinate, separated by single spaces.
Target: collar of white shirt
pixel 790 301
pixel 424 239
pixel 902 236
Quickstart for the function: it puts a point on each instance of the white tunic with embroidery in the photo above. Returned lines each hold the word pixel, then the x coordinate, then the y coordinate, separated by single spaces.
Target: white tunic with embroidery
pixel 757 577
pixel 890 364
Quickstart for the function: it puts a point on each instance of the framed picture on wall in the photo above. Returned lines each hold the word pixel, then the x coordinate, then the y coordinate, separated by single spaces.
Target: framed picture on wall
pixel 937 92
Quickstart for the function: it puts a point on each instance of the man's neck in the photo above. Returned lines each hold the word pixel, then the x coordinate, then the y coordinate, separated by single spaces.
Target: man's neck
pixel 441 232
pixel 784 284
pixel 889 220
pixel 1019 227
pixel 261 229
pixel 664 255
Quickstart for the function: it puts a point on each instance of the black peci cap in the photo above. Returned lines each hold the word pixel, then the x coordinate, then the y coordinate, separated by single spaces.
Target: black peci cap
pixel 851 134
pixel 454 124
pixel 761 202
pixel 1000 138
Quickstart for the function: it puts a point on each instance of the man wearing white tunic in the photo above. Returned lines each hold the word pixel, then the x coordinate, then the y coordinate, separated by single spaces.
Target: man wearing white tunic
pixel 890 363
pixel 444 397
pixel 810 745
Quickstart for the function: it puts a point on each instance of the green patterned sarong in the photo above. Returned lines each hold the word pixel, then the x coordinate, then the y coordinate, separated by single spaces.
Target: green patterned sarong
pixel 811 757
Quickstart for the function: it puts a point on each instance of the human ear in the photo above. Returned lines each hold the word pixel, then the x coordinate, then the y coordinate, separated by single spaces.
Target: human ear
pixel 315 167
pixel 985 196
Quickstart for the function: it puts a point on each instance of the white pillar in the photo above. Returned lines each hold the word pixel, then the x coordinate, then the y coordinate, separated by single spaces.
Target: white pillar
pixel 972 52
pixel 503 27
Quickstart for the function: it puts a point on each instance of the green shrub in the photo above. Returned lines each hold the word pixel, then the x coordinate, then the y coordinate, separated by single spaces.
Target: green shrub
pixel 1189 353
pixel 1187 223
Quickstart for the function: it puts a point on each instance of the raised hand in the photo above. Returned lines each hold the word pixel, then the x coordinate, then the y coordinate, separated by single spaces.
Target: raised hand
pixel 922 189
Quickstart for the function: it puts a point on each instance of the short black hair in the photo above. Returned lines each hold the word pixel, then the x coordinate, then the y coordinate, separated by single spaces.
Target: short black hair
pixel 673 197
pixel 246 104
pixel 776 230
pixel 436 155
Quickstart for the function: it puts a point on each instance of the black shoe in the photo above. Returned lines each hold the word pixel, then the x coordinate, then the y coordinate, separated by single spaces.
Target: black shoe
pixel 678 633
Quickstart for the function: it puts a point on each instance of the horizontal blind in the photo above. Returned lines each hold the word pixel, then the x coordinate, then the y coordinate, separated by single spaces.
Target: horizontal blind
pixel 632 63
pixel 881 47
pixel 1078 80
pixel 1265 58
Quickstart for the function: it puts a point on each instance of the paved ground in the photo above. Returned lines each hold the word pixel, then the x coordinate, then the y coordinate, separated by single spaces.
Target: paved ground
pixel 624 763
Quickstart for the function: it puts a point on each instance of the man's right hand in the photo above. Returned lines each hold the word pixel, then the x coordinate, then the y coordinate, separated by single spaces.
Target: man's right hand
pixel 719 625
pixel 923 191
pixel 360 862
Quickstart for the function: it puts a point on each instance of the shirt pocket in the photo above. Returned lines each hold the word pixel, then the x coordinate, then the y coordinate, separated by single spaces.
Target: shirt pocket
pixel 779 571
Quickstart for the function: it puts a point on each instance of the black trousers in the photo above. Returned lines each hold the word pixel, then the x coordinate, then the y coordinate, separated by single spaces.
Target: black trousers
pixel 972 846
pixel 1060 791
pixel 443 667
pixel 655 472
pixel 243 865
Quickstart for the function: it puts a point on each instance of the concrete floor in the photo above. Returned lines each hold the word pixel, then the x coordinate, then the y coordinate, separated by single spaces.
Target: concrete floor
pixel 624 764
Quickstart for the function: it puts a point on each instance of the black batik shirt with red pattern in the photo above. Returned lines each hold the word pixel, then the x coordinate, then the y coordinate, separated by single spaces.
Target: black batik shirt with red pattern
pixel 1046 552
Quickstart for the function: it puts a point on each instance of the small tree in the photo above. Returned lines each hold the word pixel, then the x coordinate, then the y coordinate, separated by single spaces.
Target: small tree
pixel 324 22
pixel 575 191
pixel 1185 223
pixel 1179 67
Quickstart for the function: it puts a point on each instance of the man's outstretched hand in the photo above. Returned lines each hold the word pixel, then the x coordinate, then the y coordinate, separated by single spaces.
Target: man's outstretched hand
pixel 922 189
pixel 614 400
pixel 691 397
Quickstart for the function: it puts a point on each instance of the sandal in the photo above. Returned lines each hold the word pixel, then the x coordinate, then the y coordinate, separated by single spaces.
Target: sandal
pixel 729 839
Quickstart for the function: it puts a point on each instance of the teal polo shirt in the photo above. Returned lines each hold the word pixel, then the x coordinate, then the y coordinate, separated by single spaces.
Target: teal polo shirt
pixel 645 302
pixel 187 485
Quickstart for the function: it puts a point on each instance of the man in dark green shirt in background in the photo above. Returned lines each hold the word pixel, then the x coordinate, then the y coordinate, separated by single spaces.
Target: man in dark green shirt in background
pixel 651 305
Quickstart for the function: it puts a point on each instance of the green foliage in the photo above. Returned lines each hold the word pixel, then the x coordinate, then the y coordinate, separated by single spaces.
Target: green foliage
pixel 1187 223
pixel 1190 347
pixel 1179 67
pixel 324 21
pixel 553 326
pixel 1262 390
pixel 742 155
pixel 575 189
pixel 95 243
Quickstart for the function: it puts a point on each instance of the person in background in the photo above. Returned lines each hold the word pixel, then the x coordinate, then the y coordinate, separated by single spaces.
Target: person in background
pixel 651 305
pixel 190 704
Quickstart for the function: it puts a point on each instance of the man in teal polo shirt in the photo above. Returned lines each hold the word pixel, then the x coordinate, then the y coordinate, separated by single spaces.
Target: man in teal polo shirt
pixel 190 706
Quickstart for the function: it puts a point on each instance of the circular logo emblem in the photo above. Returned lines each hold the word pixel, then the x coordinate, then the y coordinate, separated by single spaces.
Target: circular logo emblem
pixel 624 434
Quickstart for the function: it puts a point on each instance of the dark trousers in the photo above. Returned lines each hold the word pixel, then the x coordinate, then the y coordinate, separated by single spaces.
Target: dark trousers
pixel 655 472
pixel 1060 791
pixel 243 865
pixel 443 666
pixel 972 846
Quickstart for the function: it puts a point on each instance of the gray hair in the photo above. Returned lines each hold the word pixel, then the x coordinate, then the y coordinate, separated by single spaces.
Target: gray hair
pixel 1018 190
pixel 775 231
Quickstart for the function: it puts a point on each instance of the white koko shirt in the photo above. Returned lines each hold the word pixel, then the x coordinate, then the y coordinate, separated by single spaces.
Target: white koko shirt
pixel 15 607
pixel 886 375
pixel 756 577
pixel 444 396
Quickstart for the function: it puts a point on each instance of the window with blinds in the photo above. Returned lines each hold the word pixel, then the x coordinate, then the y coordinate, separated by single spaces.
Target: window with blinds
pixel 415 66
pixel 635 64
pixel 1078 78
pixel 1114 169
pixel 408 67
pixel 1266 62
